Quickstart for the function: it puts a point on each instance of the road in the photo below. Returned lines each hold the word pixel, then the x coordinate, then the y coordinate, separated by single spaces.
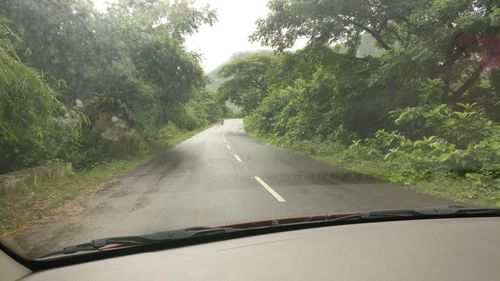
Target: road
pixel 218 176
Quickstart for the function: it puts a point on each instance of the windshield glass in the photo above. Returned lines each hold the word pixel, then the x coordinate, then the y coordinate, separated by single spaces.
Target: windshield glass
pixel 131 117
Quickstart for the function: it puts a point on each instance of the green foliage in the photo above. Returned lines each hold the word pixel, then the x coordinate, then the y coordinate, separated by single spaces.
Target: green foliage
pixel 207 107
pixel 178 19
pixel 423 105
pixel 126 71
pixel 34 125
pixel 175 80
pixel 247 82
pixel 169 130
pixel 466 126
pixel 443 152
pixel 58 37
pixel 412 88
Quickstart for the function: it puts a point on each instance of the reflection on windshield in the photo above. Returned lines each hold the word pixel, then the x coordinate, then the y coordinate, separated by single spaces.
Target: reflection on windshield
pixel 113 124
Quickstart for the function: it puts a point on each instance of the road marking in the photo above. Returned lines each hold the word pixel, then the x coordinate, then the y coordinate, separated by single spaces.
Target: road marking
pixel 237 158
pixel 268 188
pixel 228 147
pixel 225 141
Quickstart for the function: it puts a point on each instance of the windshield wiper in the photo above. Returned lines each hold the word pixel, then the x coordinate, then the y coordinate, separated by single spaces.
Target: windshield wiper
pixel 446 211
pixel 105 244
pixel 112 243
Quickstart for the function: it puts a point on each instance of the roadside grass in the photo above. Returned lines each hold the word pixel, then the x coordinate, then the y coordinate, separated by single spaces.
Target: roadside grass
pixel 442 185
pixel 39 201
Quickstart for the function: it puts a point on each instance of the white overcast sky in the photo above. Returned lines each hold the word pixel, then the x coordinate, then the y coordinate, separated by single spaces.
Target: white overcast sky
pixel 229 35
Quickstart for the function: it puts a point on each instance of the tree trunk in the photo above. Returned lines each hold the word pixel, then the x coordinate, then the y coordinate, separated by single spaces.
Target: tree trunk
pixel 372 32
pixel 468 83
pixel 477 73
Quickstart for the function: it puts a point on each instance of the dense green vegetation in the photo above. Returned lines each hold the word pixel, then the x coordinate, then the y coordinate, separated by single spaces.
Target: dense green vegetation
pixel 405 90
pixel 88 87
pixel 419 102
pixel 216 80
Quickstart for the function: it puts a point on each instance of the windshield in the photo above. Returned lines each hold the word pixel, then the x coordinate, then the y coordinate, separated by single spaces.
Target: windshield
pixel 132 117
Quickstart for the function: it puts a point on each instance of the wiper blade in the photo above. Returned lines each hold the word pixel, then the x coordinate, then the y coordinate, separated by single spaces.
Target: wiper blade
pixel 453 210
pixel 105 244
pixel 292 220
pixel 112 243
pixel 479 211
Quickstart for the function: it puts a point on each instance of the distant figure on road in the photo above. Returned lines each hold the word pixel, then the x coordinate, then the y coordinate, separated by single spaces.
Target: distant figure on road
pixel 222 121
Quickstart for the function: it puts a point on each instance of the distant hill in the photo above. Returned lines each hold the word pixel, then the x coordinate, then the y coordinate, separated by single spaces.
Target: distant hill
pixel 215 81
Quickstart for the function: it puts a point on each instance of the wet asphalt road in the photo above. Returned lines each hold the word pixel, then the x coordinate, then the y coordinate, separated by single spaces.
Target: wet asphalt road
pixel 219 176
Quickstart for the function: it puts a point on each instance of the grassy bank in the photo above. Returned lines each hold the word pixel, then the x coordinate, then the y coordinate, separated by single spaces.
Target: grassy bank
pixel 439 184
pixel 38 202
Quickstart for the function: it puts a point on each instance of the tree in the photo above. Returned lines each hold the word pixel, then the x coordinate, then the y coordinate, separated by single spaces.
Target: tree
pixel 31 116
pixel 126 69
pixel 327 22
pixel 143 75
pixel 247 82
pixel 178 19
pixel 58 38
pixel 449 40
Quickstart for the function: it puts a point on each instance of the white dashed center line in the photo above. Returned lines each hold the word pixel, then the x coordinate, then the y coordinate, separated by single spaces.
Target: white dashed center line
pixel 228 147
pixel 268 188
pixel 237 158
